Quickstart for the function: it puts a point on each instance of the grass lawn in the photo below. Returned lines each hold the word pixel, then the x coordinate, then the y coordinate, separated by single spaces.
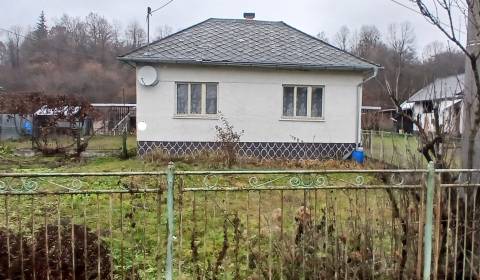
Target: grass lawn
pixel 98 142
pixel 401 150
pixel 396 149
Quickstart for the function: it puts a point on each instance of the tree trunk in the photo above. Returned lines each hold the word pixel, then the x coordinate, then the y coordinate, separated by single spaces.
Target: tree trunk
pixel 470 156
pixel 471 142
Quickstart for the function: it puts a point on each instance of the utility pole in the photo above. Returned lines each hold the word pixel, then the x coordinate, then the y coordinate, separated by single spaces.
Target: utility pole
pixel 149 13
pixel 470 101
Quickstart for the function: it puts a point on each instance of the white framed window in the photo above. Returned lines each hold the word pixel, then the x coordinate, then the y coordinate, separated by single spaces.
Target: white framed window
pixel 303 102
pixel 196 99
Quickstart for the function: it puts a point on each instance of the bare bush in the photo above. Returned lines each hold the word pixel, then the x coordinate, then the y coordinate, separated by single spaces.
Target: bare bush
pixel 228 139
pixel 58 119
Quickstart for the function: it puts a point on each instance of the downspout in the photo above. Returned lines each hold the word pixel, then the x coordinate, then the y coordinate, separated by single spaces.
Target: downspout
pixel 359 107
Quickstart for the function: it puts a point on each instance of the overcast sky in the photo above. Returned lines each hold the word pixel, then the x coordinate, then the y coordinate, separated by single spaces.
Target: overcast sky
pixel 311 16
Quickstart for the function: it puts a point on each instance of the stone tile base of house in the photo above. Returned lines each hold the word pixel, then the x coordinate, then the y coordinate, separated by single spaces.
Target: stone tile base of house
pixel 260 150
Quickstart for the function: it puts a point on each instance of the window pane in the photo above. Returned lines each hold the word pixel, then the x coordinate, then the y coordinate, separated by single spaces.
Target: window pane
pixel 317 98
pixel 301 101
pixel 196 99
pixel 211 99
pixel 288 101
pixel 182 97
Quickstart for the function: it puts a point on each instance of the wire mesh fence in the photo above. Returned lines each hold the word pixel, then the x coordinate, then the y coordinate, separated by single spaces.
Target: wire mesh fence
pixel 401 150
pixel 285 224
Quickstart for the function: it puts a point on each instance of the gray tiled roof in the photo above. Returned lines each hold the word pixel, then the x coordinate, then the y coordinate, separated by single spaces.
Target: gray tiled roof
pixel 242 42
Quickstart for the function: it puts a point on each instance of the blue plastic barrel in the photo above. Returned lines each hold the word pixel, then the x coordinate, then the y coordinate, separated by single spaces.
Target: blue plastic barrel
pixel 27 127
pixel 358 155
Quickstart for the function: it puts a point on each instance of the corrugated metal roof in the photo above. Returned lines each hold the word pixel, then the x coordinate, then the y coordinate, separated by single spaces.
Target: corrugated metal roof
pixel 65 111
pixel 241 42
pixel 445 88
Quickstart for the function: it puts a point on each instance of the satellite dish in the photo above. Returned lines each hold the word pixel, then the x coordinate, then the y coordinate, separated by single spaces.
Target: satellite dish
pixel 147 76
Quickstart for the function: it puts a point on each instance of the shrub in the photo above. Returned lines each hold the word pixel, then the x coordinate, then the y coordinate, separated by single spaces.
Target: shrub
pixel 45 255
pixel 228 139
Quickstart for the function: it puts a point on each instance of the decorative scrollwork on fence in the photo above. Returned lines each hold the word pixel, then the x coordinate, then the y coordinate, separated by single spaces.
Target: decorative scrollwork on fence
pixel 308 181
pixel 254 182
pixel 76 184
pixel 359 180
pixel 210 181
pixel 25 185
pixel 3 186
pixel 31 185
pixel 72 185
pixel 397 179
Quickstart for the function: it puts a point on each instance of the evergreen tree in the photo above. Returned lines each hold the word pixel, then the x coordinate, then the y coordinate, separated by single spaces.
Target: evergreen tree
pixel 41 30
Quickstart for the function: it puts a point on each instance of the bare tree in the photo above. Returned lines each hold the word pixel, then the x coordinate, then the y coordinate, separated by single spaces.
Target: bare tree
pixel 322 36
pixel 116 34
pixel 3 52
pixel 368 39
pixel 442 14
pixel 163 31
pixel 401 39
pixel 135 35
pixel 433 49
pixel 100 32
pixel 470 9
pixel 15 39
pixel 78 31
pixel 49 136
pixel 342 38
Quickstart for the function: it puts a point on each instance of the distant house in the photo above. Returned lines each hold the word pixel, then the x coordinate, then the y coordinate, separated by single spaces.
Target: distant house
pixel 446 94
pixel 294 95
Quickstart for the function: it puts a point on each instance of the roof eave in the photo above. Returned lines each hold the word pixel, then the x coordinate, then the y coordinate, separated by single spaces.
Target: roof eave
pixel 250 64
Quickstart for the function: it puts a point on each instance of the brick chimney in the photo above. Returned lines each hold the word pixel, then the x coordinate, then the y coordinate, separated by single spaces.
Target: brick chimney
pixel 249 16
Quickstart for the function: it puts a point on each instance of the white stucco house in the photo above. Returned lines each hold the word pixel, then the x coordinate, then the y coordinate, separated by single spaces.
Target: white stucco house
pixel 294 95
pixel 443 94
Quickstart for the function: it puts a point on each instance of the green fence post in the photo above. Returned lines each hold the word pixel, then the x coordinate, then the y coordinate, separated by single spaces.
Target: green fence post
pixel 427 238
pixel 170 217
pixel 382 148
pixel 371 144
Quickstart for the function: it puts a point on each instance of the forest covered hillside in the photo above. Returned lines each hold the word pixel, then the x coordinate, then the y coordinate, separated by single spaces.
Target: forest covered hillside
pixel 74 55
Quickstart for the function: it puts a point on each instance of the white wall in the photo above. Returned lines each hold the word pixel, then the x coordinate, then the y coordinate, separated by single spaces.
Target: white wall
pixel 251 100
pixel 447 116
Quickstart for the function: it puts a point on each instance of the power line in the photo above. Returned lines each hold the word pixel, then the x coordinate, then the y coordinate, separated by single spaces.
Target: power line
pixel 406 7
pixel 161 7
pixel 417 12
pixel 149 14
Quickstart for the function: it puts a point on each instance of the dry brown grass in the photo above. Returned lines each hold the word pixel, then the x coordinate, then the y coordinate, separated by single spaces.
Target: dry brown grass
pixel 211 159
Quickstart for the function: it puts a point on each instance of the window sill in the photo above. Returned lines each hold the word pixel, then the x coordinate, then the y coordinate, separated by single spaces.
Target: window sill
pixel 199 116
pixel 302 119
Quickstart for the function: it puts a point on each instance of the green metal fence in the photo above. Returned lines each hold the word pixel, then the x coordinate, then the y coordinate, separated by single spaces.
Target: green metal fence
pixel 239 224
